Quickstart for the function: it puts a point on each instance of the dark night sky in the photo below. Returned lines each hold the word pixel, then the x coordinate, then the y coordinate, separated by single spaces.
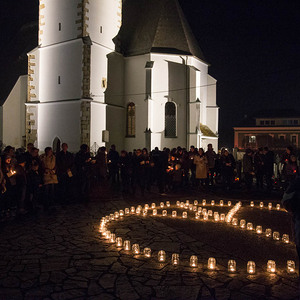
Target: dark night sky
pixel 253 47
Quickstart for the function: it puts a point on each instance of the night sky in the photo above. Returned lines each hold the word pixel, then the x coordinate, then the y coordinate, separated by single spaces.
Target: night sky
pixel 253 48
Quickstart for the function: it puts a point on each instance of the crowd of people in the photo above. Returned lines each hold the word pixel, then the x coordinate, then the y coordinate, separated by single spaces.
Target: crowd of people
pixel 29 180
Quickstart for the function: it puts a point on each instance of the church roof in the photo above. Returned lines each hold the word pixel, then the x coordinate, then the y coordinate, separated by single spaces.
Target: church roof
pixel 155 26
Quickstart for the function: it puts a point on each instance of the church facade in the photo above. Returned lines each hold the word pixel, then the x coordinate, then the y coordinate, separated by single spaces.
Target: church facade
pixel 128 73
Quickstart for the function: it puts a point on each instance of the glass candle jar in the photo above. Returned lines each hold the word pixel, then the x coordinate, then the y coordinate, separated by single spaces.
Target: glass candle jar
pixel 251 267
pixel 205 217
pixel 261 204
pixel 168 203
pixel 112 238
pixel 234 221
pixel 146 206
pixel 204 211
pixel 212 202
pixel 195 208
pixel 216 217
pixel 243 223
pixel 162 205
pixel 221 202
pixel 199 209
pixel 116 215
pixel 196 202
pixel 147 252
pixel 119 242
pixel 249 226
pixel 175 259
pixel 276 236
pixel 161 256
pixel 229 203
pixel 135 249
pixel 177 203
pixel 271 266
pixel 258 229
pixel 252 204
pixel 222 217
pixel 184 215
pixel 270 206
pixel 138 211
pixel 121 212
pixel 153 205
pixel 127 245
pixel 107 234
pixel 144 213
pixel 111 217
pixel 291 266
pixel 164 213
pixel 204 202
pixel 127 211
pixel 285 238
pixel 132 209
pixel 268 232
pixel 154 212
pixel 231 266
pixel 197 215
pixel 278 206
pixel 211 263
pixel 174 213
pixel 194 261
pixel 210 213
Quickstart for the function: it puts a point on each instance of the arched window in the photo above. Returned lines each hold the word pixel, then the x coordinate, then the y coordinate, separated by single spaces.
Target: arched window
pixel 131 120
pixel 56 145
pixel 170 119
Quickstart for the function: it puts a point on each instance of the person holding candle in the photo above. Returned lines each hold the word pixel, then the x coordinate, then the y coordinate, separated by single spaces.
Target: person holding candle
pixel 200 161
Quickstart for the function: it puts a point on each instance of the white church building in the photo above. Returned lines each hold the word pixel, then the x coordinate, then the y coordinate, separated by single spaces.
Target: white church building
pixel 107 72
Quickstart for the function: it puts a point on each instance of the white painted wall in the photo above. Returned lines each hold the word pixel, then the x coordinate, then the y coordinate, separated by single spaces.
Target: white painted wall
pixel 64 60
pixel 14 114
pixel 60 120
pixel 98 123
pixel 35 83
pixel 60 11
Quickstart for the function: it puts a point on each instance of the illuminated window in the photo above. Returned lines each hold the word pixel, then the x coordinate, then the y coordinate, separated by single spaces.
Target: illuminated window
pixel 131 120
pixel 170 119
pixel 294 139
pixel 252 139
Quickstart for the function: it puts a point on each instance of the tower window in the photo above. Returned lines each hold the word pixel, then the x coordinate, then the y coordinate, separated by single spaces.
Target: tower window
pixel 101 29
pixel 130 120
pixel 170 120
pixel 59 26
pixel 58 79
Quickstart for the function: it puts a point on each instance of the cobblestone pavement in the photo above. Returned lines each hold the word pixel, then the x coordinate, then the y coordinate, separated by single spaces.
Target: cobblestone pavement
pixel 62 256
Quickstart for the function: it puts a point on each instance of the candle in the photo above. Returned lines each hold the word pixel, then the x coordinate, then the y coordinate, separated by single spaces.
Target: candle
pixel 204 211
pixel 229 203
pixel 197 215
pixel 138 210
pixel 177 203
pixel 243 223
pixel 147 252
pixel 252 203
pixel 126 245
pixel 162 204
pixel 161 256
pixel 119 242
pixel 210 213
pixel 271 266
pixel 251 267
pixel 144 212
pixel 154 212
pixel 184 215
pixel 164 213
pixel 216 217
pixel 175 259
pixel 278 206
pixel 194 261
pixel 205 217
pixel 285 238
pixel 146 206
pixel 195 208
pixel 231 266
pixel 127 211
pixel 187 202
pixel 249 226
pixel 203 202
pixel 291 267
pixel 276 236
pixel 116 215
pixel 268 232
pixel 211 264
pixel 136 249
pixel 121 212
pixel 174 213
pixel 111 217
pixel 112 238
pixel 107 235
pixel 196 202
pixel 234 221
pixel 191 206
pixel 261 204
pixel 199 209
pixel 132 209
pixel 153 205
pixel 270 206
pixel 221 203
pixel 222 217
pixel 258 229
pixel 168 203
pixel 212 202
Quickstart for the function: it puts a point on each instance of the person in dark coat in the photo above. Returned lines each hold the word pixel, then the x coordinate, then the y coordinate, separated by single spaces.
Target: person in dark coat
pixel 259 168
pixel 248 168
pixel 227 168
pixel 268 167
pixel 124 165
pixel 21 183
pixel 112 161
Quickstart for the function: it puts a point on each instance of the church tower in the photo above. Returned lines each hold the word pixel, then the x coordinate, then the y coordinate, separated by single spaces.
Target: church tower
pixel 67 72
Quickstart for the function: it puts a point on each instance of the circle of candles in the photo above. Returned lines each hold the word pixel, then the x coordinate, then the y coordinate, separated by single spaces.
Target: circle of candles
pixel 197 215
pixel 132 209
pixel 261 204
pixel 111 217
pixel 231 266
pixel 221 202
pixel 278 206
pixel 184 215
pixel 252 203
pixel 182 204
pixel 258 229
pixel 162 204
pixel 191 206
pixel 270 206
pixel 199 209
pixel 161 256
pixel 196 202
pixel 126 245
pixel 216 217
pixel 222 217
pixel 175 259
pixel 205 217
pixel 212 202
pixel 119 242
pixel 147 252
pixel 168 203
pixel 174 213
pixel 211 263
pixel 146 206
pixel 234 221
pixel 203 202
pixel 177 203
pixel 210 213
pixel 116 215
pixel 121 212
pixel 285 238
pixel 290 266
pixel 271 266
pixel 251 267
pixel 243 223
pixel 249 226
pixel 164 213
pixel 112 238
pixel 154 212
pixel 127 211
pixel 136 249
pixel 153 205
pixel 276 236
pixel 195 208
pixel 229 203
pixel 194 261
pixel 268 232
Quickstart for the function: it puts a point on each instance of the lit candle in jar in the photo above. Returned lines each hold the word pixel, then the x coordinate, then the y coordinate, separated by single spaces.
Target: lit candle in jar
pixel 112 238
pixel 108 235
pixel 195 208
pixel 216 217
pixel 196 202
pixel 116 215
pixel 229 203
pixel 154 212
pixel 221 203
pixel 268 232
pixel 197 215
pixel 252 203
pixel 203 202
pixel 107 219
pixel 175 259
pixel 153 205
pixel 243 223
pixel 121 212
pixel 285 238
pixel 194 261
pixel 270 206
pixel 258 229
pixel 174 213
pixel 200 209
pixel 138 211
pixel 205 217
pixel 271 266
pixel 261 204
pixel 276 236
pixel 162 204
pixel 291 267
pixel 211 264
pixel 161 256
pixel 251 267
pixel 177 203
pixel 127 211
pixel 278 206
pixel 168 203
pixel 111 217
pixel 146 206
pixel 182 204
pixel 210 213
pixel 119 242
pixel 126 245
pixel 144 212
pixel 234 221
pixel 184 215
pixel 204 211
pixel 222 217
pixel 191 206
pixel 136 249
pixel 164 213
pixel 249 226
pixel 132 209
pixel 147 252
pixel 231 266
pixel 212 202
pixel 187 202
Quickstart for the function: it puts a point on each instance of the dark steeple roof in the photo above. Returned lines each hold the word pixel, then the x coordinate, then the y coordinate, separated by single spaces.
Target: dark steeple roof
pixel 155 26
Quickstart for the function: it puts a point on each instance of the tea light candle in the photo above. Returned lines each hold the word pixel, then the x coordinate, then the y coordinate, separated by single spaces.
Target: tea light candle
pixel 210 213
pixel 126 245
pixel 111 217
pixel 119 242
pixel 251 267
pixel 196 202
pixel 147 252
pixel 204 202
pixel 229 203
pixel 168 203
pixel 182 204
pixel 243 223
pixel 212 202
pixel 252 203
pixel 132 209
pixel 216 217
pixel 234 221
pixel 174 213
pixel 144 212
pixel 136 249
pixel 112 238
pixel 249 226
pixel 276 236
pixel 162 204
pixel 153 205
pixel 199 209
pixel 187 202
pixel 258 229
pixel 261 204
pixel 222 217
pixel 146 206
pixel 191 206
pixel 184 215
pixel 285 238
pixel 271 266
pixel 138 211
pixel 161 256
pixel 231 266
pixel 204 211
pixel 268 232
pixel 205 217
pixel 107 218
pixel 278 206
pixel 127 211
pixel 154 212
pixel 270 206
pixel 121 212
pixel 221 203
pixel 195 208
pixel 164 213
pixel 291 267
pixel 107 235
pixel 177 203
pixel 194 261
pixel 116 215
pixel 197 215
pixel 211 264
pixel 175 259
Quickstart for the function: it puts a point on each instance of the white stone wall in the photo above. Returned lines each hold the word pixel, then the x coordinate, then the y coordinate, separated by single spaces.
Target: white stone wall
pixel 98 123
